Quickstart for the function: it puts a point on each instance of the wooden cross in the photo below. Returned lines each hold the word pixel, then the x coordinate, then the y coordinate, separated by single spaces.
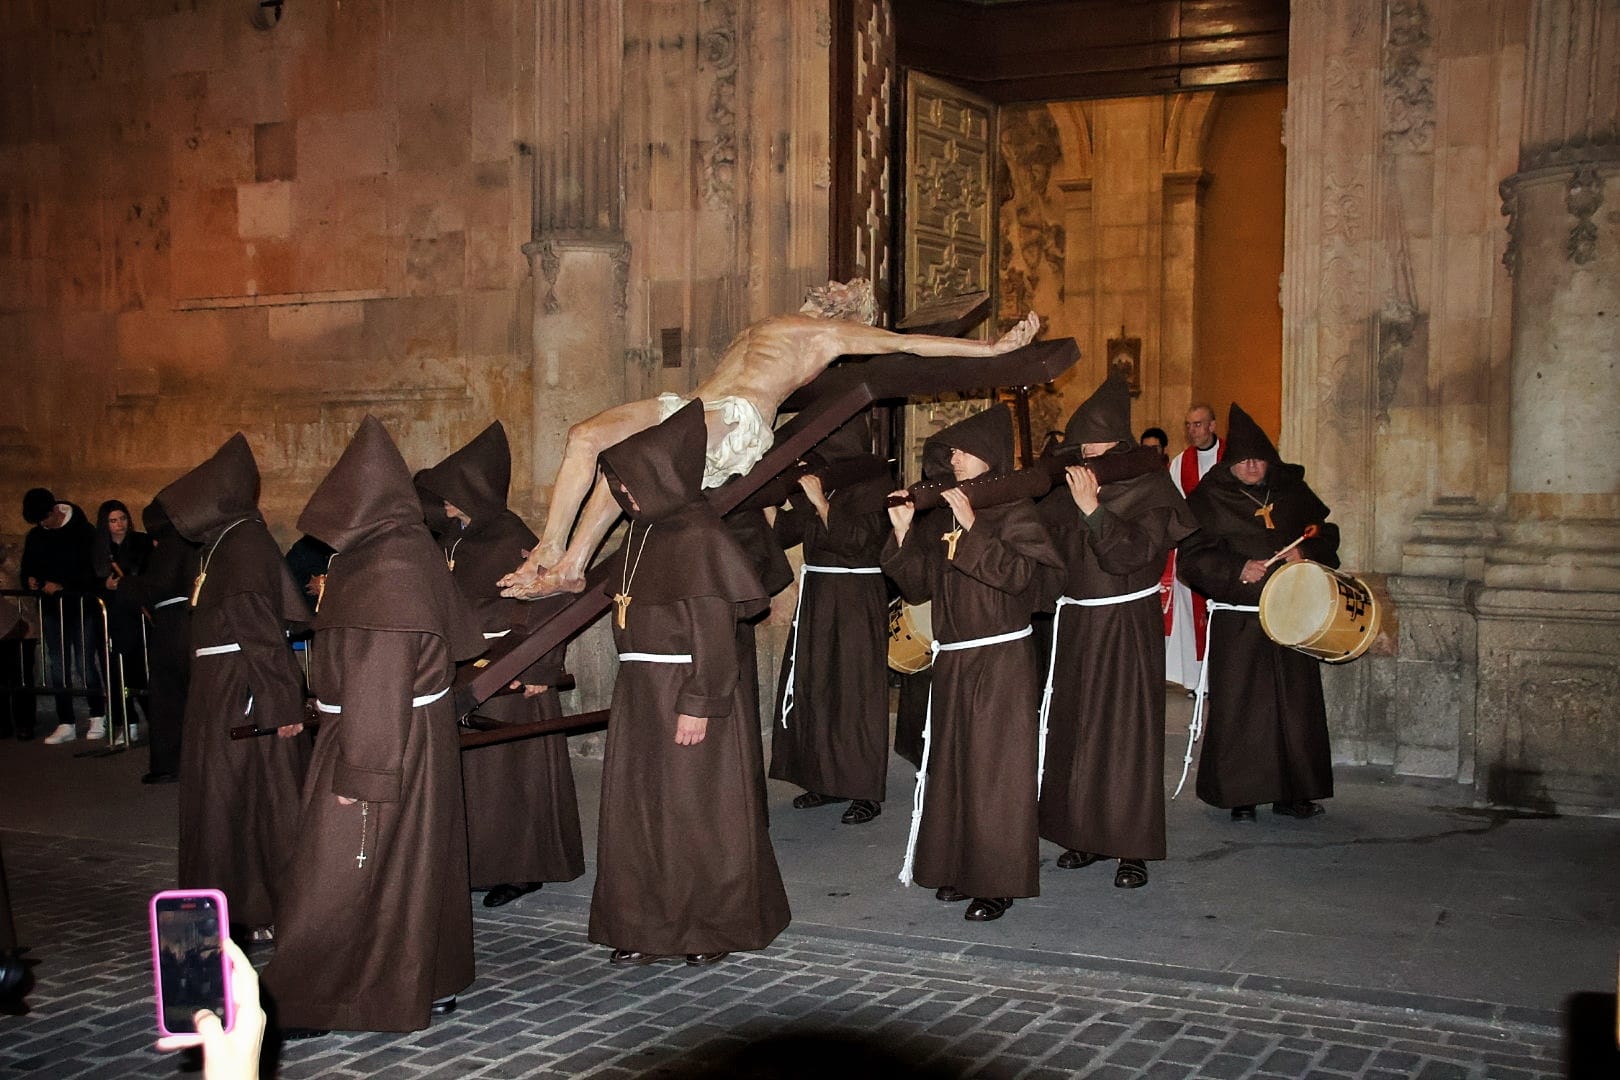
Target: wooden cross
pixel 196 586
pixel 1264 513
pixel 622 600
pixel 951 538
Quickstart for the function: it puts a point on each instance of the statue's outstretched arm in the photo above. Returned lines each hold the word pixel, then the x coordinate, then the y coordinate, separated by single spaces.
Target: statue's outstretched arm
pixel 857 340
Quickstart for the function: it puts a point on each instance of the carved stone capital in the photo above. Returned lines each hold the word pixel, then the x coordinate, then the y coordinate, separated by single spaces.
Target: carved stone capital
pixel 546 255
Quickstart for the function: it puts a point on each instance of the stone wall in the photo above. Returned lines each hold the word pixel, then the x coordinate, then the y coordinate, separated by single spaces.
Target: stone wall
pixel 213 226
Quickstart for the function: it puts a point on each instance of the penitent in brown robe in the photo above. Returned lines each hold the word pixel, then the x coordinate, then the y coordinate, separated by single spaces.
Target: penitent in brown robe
pixel 832 737
pixel 684 861
pixel 378 921
pixel 238 799
pixel 1103 788
pixel 978 829
pixel 1266 737
pixel 522 813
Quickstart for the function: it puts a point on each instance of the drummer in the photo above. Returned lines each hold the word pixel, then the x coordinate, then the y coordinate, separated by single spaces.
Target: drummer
pixel 1267 738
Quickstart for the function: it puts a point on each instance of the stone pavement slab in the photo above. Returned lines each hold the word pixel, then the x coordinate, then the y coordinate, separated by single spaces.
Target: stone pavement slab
pixel 546 1004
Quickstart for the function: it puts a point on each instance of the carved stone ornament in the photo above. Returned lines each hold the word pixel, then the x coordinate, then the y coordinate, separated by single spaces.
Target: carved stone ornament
pixel 1509 191
pixel 717 52
pixel 1582 199
pixel 1408 78
pixel 1396 324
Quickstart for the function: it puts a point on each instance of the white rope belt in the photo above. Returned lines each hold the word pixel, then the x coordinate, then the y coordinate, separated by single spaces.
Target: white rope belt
pixel 1195 730
pixel 1051 663
pixel 657 657
pixel 416 702
pixel 928 740
pixel 170 601
pixel 216 650
pixel 497 634
pixel 798 605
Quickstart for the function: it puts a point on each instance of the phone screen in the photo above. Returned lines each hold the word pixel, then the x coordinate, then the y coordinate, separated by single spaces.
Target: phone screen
pixel 190 960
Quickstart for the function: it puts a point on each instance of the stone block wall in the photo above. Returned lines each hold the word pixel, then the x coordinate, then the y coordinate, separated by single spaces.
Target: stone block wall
pixel 213 226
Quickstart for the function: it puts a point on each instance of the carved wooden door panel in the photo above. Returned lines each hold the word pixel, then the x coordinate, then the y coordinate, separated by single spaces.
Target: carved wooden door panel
pixel 947 225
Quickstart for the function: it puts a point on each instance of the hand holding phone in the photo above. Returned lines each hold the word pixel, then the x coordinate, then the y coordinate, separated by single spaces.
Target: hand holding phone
pixel 234 1054
pixel 191 968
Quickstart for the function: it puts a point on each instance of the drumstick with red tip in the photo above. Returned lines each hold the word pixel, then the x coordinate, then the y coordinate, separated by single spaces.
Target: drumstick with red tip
pixel 1310 531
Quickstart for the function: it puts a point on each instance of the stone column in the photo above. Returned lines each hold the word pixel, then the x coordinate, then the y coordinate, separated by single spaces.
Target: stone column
pixel 1549 629
pixel 579 259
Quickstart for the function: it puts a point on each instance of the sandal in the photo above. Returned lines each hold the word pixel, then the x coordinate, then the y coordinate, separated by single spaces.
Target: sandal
pixel 1074 860
pixel 950 894
pixel 861 811
pixel 1132 874
pixel 812 799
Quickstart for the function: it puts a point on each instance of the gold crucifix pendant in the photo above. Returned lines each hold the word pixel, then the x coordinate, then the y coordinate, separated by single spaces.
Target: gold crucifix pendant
pixel 1264 513
pixel 951 538
pixel 623 602
pixel 196 586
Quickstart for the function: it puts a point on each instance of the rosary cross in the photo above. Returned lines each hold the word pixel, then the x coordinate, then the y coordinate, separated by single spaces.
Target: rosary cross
pixel 622 600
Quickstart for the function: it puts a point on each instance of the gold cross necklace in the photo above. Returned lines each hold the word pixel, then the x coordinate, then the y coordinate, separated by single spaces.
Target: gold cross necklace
pixel 1266 506
pixel 951 539
pixel 622 598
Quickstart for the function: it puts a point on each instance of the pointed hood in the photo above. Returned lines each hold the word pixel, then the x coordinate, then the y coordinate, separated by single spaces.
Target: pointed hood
pixel 987 435
pixel 662 466
pixel 222 490
pixel 475 478
pixel 438 522
pixel 852 440
pixel 156 522
pixel 387 573
pixel 367 492
pixel 682 548
pixel 1105 416
pixel 1245 439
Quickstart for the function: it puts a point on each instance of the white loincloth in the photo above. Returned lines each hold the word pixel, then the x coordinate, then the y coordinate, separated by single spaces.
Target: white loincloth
pixel 750 436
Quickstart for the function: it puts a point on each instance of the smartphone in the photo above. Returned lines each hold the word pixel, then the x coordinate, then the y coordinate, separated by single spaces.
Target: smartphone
pixel 189 965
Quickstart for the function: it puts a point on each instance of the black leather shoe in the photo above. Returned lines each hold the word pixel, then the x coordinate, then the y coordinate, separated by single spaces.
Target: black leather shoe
pixel 1074 860
pixel 987 908
pixel 505 894
pixel 704 959
pixel 861 811
pixel 1132 874
pixel 1242 813
pixel 950 895
pixel 631 958
pixel 161 778
pixel 443 1006
pixel 812 799
pixel 1304 808
pixel 294 1033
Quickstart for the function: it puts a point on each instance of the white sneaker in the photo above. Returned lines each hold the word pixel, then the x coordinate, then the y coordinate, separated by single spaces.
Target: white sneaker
pixel 63 733
pixel 98 728
pixel 134 732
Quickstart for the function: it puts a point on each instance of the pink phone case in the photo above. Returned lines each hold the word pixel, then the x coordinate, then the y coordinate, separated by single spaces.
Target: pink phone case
pixel 218 897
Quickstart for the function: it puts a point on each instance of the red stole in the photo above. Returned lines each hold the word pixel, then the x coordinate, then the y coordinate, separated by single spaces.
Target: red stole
pixel 1189 480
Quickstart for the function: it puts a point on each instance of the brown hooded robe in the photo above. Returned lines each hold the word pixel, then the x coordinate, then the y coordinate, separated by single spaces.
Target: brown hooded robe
pixel 238 799
pixel 379 922
pixel 522 813
pixel 1103 789
pixel 684 862
pixel 163 591
pixel 1266 737
pixel 833 737
pixel 978 831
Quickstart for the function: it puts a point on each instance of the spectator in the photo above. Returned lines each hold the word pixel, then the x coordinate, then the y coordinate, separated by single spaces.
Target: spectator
pixel 56 560
pixel 121 552
pixel 1156 438
pixel 17 706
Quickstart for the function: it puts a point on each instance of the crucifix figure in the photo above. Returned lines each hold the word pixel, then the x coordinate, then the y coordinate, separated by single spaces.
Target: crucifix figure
pixel 759 369
pixel 1264 514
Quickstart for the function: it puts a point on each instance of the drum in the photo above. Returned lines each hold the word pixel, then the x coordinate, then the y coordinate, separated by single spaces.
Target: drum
pixel 1319 611
pixel 911 637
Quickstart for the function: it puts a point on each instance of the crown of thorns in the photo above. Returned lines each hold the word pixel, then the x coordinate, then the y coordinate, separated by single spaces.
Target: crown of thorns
pixel 842 300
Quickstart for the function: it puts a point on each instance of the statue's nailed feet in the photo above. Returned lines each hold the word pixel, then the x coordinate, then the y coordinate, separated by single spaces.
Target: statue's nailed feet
pixel 539 585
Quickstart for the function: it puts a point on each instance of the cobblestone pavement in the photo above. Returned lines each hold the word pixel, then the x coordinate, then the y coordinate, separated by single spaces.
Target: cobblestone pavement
pixel 546 1004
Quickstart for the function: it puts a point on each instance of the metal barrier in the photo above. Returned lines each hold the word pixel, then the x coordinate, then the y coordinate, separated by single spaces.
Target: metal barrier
pixel 74 657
